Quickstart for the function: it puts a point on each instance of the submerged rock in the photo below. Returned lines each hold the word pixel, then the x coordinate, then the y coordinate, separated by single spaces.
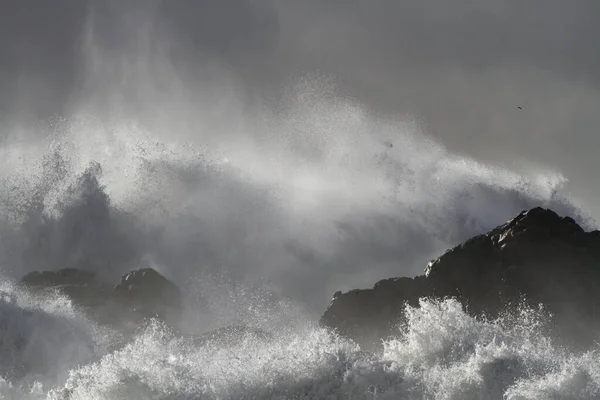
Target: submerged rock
pixel 537 257
pixel 140 295
pixel 147 294
pixel 80 286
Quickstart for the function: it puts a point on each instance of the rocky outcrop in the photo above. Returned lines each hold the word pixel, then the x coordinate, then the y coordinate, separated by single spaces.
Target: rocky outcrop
pixel 537 257
pixel 144 293
pixel 140 295
pixel 367 315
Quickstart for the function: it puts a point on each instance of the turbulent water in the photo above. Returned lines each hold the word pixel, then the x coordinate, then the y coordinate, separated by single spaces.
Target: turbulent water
pixel 440 354
pixel 259 220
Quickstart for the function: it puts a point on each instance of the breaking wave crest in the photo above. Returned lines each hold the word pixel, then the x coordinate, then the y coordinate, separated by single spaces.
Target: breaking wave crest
pixel 259 222
pixel 441 353
pixel 305 197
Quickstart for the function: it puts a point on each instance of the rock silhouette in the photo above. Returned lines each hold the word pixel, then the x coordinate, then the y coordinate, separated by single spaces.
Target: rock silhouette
pixel 141 294
pixel 146 293
pixel 536 258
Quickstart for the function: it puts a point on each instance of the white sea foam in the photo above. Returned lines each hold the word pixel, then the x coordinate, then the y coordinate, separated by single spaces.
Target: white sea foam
pixel 442 354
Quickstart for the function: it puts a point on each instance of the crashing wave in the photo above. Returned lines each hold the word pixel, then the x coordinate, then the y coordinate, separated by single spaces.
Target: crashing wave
pixel 442 353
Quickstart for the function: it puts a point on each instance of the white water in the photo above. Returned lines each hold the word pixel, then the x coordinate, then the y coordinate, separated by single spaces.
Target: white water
pixel 259 220
pixel 442 354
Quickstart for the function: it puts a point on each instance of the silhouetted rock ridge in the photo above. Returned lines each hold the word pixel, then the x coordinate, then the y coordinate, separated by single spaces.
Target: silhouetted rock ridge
pixel 537 257
pixel 140 295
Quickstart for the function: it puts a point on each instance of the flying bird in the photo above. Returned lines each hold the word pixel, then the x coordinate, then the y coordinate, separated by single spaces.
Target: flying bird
pixel 520 108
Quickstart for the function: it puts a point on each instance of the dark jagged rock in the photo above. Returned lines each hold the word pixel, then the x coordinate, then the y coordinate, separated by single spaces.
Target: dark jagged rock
pixel 80 286
pixel 67 276
pixel 147 294
pixel 140 295
pixel 537 257
pixel 369 314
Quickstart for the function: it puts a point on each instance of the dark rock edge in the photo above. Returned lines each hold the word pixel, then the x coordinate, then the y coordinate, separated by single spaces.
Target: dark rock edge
pixel 535 258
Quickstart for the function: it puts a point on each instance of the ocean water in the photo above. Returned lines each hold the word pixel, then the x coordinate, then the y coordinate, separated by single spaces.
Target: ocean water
pixel 441 353
pixel 259 219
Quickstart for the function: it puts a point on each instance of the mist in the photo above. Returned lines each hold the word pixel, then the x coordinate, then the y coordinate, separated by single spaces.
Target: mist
pixel 226 145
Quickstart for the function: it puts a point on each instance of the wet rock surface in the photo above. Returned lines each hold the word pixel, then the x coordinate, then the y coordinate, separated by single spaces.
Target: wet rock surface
pixel 536 258
pixel 144 293
pixel 140 295
pixel 80 286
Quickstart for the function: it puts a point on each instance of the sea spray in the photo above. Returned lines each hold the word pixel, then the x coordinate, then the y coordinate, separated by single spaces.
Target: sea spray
pixel 43 337
pixel 441 353
pixel 295 203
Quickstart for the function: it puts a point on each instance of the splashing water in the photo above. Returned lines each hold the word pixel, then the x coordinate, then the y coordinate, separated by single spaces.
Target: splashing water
pixel 305 197
pixel 441 354
pixel 42 339
pixel 259 223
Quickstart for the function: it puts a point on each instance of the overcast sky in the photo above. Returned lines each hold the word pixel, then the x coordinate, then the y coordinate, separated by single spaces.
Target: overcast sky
pixel 460 68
